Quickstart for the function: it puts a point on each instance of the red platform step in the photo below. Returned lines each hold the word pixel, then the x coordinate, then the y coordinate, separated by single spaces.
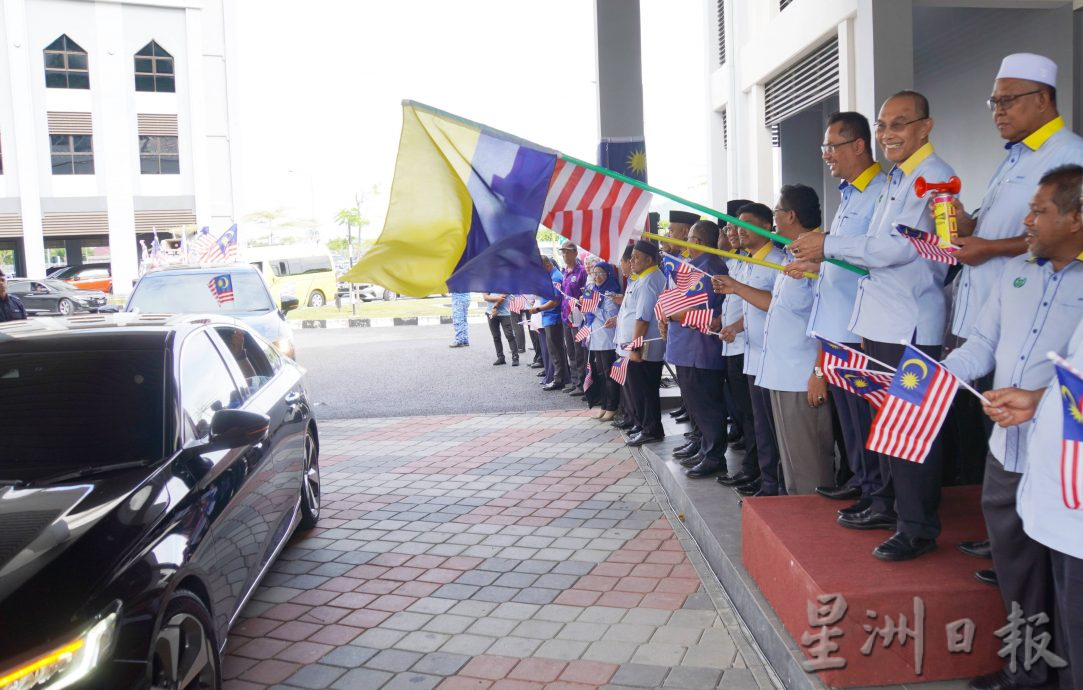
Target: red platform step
pixel 795 551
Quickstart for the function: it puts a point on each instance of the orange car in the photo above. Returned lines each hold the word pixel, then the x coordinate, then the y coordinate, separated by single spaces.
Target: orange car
pixel 87 276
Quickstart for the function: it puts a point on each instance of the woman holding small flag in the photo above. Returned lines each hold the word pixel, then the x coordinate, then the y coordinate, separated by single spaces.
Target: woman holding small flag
pixel 603 327
pixel 637 320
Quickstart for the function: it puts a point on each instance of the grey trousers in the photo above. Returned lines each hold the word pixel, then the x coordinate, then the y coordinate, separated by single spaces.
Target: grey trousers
pixel 1068 590
pixel 806 442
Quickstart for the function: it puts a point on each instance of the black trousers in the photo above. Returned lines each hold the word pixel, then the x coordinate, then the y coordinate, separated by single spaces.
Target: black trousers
pixel 855 418
pixel 740 399
pixel 1068 594
pixel 577 355
pixel 911 491
pixel 554 340
pixel 1022 564
pixel 608 390
pixel 766 443
pixel 535 342
pixel 642 385
pixel 520 330
pixel 704 401
pixel 503 323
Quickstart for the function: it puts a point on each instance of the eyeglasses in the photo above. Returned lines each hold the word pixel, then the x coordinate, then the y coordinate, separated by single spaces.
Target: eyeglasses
pixel 896 126
pixel 779 209
pixel 831 148
pixel 1005 102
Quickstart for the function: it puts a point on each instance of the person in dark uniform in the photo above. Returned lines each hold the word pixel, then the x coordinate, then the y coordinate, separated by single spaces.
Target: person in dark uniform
pixel 573 280
pixel 11 307
pixel 698 358
pixel 553 332
pixel 637 320
pixel 680 224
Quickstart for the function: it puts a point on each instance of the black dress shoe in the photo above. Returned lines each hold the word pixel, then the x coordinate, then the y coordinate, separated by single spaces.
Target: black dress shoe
pixel 684 446
pixel 707 468
pixel 734 434
pixel 537 365
pixel 499 361
pixel 683 419
pixel 623 424
pixel 839 493
pixel 988 576
pixel 553 387
pixel 576 392
pixel 515 362
pixel 737 479
pixel 690 450
pixel 977 549
pixel 691 434
pixel 678 412
pixel 459 345
pixel 540 373
pixel 749 489
pixel 996 681
pixel 900 547
pixel 862 505
pixel 739 444
pixel 690 462
pixel 641 438
pixel 761 492
pixel 868 520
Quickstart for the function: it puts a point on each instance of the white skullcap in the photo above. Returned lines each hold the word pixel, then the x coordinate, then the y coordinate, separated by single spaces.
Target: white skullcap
pixel 1029 66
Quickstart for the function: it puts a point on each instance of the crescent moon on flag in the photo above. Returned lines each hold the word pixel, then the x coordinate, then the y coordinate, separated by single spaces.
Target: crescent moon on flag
pixel 1075 409
pixel 924 367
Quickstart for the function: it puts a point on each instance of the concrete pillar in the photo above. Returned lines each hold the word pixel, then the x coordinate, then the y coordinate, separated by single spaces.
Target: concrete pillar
pixel 883 52
pixel 620 76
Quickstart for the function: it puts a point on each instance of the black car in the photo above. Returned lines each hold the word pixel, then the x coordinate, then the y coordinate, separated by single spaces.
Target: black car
pixel 151 469
pixel 55 296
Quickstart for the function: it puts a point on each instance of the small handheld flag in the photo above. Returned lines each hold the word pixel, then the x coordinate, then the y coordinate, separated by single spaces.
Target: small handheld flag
pixel 638 342
pixel 679 273
pixel 700 319
pixel 221 288
pixel 927 245
pixel 517 303
pixel 870 385
pixel 675 299
pixel 1070 388
pixel 619 371
pixel 587 305
pixel 836 356
pixel 582 334
pixel 589 378
pixel 917 403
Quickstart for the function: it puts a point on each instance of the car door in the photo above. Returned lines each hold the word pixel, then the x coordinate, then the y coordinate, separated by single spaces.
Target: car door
pixel 38 297
pixel 93 278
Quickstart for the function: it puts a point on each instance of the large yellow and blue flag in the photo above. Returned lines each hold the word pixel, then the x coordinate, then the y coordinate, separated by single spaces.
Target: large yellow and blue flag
pixel 466 203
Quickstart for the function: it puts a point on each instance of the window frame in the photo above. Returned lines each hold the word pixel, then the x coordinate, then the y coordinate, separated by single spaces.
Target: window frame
pixel 85 157
pixel 67 50
pixel 159 80
pixel 151 162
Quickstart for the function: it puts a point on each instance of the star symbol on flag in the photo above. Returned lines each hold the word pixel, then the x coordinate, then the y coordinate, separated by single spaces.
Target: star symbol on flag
pixel 910 380
pixel 637 162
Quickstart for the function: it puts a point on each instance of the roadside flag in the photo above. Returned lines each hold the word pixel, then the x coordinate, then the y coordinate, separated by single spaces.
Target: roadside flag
pixel 221 288
pixel 917 403
pixel 201 243
pixel 927 245
pixel 224 249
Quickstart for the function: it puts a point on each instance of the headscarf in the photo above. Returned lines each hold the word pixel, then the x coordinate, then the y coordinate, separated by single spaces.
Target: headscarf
pixel 612 280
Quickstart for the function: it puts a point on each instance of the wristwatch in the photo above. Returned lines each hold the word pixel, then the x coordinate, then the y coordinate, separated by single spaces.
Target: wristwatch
pixel 818 372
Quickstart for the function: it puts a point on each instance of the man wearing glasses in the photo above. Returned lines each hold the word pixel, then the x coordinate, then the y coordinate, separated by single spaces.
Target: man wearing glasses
pixel 901 300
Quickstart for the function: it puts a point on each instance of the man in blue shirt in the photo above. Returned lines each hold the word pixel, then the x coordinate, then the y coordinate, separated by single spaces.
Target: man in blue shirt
pixel 901 300
pixel 553 331
pixel 1031 309
pixel 11 307
pixel 637 320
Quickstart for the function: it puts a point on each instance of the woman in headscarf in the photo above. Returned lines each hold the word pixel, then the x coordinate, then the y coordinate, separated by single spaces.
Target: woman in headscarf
pixel 603 323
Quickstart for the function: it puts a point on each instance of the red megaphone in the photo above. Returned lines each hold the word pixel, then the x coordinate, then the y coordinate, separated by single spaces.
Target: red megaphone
pixel 952 186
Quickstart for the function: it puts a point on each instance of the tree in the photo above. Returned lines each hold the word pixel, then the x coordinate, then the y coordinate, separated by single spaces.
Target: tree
pixel 338 245
pixel 351 217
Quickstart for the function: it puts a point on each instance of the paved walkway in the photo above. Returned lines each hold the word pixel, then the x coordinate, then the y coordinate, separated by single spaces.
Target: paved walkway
pixel 493 551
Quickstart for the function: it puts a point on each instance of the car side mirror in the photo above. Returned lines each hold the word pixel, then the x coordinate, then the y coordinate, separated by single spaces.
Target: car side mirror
pixel 237 428
pixel 289 304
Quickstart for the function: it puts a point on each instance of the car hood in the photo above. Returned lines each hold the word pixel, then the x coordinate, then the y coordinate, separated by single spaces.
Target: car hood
pixel 57 544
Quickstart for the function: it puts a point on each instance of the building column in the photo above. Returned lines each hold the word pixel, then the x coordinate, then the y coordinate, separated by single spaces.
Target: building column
pixel 620 75
pixel 883 52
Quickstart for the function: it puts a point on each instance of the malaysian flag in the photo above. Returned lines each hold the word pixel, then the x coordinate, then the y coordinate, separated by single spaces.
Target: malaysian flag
pixel 221 288
pixel 224 249
pixel 587 305
pixel 871 385
pixel 582 334
pixel 675 299
pixel 700 319
pixel 597 212
pixel 619 371
pixel 589 378
pixel 836 355
pixel 1071 445
pixel 927 245
pixel 917 403
pixel 200 244
pixel 638 342
pixel 517 303
pixel 679 274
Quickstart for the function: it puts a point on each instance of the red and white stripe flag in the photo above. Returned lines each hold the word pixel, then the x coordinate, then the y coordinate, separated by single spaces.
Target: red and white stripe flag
pixel 589 378
pixel 517 303
pixel 917 403
pixel 588 304
pixel 638 342
pixel 597 212
pixel 700 319
pixel 836 356
pixel 927 245
pixel 619 371
pixel 868 384
pixel 675 299
pixel 582 334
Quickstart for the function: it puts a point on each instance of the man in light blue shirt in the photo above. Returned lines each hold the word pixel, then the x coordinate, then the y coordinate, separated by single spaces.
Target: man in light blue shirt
pixel 901 300
pixel 496 309
pixel 1032 308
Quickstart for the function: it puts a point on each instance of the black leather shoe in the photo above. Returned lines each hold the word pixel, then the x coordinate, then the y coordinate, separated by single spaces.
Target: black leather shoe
pixel 540 373
pixel 576 392
pixel 635 430
pixel 639 439
pixel 707 468
pixel 687 451
pixel 739 444
pixel 862 505
pixel 737 479
pixel 515 362
pixel 977 549
pixel 903 548
pixel 683 419
pixel 996 681
pixel 733 435
pixel 690 434
pixel 678 412
pixel 988 576
pixel 761 492
pixel 622 424
pixel 690 462
pixel 499 361
pixel 553 387
pixel 868 520
pixel 750 489
pixel 839 493
pixel 684 446
pixel 537 365
pixel 459 345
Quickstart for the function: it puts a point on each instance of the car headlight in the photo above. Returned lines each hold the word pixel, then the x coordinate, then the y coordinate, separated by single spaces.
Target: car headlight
pixel 283 345
pixel 66 664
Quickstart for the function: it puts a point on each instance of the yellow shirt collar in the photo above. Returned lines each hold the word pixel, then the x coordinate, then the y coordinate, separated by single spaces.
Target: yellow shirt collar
pixel 646 272
pixel 1042 134
pixel 915 159
pixel 762 251
pixel 862 181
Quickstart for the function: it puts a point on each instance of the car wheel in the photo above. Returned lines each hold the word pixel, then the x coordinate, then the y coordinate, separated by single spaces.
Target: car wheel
pixel 316 299
pixel 65 306
pixel 185 653
pixel 388 295
pixel 310 483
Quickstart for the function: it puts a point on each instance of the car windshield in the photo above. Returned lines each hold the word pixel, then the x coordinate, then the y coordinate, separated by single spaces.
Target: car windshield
pixel 67 410
pixel 186 293
pixel 60 285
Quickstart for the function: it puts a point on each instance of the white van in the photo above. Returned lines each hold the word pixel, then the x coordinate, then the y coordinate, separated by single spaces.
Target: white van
pixel 304 271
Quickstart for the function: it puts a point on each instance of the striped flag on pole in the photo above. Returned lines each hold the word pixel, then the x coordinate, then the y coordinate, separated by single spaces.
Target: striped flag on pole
pixel 582 334
pixel 597 212
pixel 679 273
pixel 700 319
pixel 517 303
pixel 836 355
pixel 619 371
pixel 638 342
pixel 589 378
pixel 1071 445
pixel 871 385
pixel 675 299
pixel 917 403
pixel 927 245
pixel 587 305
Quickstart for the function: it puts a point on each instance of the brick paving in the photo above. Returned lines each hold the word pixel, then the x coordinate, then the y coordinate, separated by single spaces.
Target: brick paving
pixel 522 551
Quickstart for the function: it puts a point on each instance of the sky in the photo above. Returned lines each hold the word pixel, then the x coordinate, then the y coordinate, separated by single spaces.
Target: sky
pixel 322 82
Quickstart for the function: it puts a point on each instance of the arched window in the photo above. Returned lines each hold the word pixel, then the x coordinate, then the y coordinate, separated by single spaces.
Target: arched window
pixel 154 69
pixel 66 65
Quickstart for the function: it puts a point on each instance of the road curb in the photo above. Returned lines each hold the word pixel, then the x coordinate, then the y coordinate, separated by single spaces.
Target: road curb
pixel 382 322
